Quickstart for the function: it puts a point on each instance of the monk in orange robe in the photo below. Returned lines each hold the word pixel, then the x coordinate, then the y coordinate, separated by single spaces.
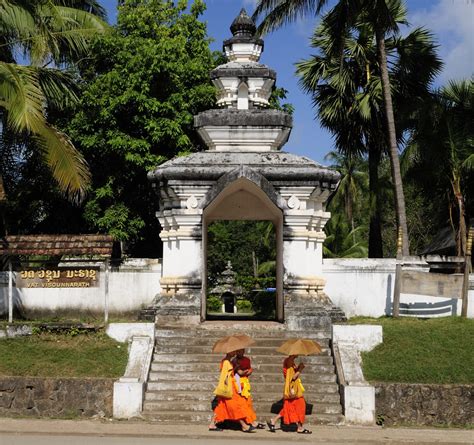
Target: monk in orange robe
pixel 294 405
pixel 243 370
pixel 235 408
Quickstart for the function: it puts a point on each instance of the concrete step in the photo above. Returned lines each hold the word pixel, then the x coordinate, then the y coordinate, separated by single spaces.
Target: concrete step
pixel 255 333
pixel 257 360
pixel 202 417
pixel 257 378
pixel 253 350
pixel 258 368
pixel 261 388
pixel 270 342
pixel 200 396
pixel 259 407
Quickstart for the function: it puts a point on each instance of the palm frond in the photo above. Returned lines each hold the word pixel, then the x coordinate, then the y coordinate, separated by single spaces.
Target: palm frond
pixel 281 12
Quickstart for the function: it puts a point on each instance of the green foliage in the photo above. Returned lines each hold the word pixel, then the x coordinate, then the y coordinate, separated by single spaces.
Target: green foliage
pixel 342 241
pixel 264 304
pixel 142 86
pixel 45 35
pixel 214 304
pixel 439 159
pixel 437 350
pixel 247 245
pixel 244 306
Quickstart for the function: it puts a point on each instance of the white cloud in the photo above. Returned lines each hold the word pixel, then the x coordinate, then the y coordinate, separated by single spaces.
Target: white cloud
pixel 452 23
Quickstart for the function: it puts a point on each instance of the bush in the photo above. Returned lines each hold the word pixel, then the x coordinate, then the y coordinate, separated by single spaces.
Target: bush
pixel 214 304
pixel 244 306
pixel 264 304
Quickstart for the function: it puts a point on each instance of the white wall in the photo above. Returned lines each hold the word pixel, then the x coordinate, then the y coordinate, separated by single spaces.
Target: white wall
pixel 365 287
pixel 358 286
pixel 131 287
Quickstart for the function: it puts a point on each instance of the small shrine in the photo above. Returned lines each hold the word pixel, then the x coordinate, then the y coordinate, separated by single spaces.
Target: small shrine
pixel 227 290
pixel 244 175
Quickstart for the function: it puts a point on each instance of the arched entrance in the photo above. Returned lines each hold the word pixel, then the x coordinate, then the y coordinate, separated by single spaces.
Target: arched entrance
pixel 243 200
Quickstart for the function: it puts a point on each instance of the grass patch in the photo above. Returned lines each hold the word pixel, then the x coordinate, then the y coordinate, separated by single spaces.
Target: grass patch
pixel 437 350
pixel 59 355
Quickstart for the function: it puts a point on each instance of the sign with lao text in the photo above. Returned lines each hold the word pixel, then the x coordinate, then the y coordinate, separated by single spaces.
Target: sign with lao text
pixel 72 277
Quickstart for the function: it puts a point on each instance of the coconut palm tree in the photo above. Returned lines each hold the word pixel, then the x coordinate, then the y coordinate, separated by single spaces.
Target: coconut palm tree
pixel 384 17
pixel 352 184
pixel 49 35
pixel 347 94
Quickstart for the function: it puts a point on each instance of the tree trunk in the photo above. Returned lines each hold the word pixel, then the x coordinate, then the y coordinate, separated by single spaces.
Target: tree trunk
pixel 392 139
pixel 461 238
pixel 375 227
pixel 3 200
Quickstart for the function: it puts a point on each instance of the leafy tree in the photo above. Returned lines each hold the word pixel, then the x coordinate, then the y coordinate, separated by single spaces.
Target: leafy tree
pixel 440 153
pixel 347 94
pixel 342 241
pixel 48 34
pixel 143 84
pixel 352 185
pixel 249 245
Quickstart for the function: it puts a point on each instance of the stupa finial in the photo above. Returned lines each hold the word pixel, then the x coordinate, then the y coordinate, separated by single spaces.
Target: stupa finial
pixel 243 25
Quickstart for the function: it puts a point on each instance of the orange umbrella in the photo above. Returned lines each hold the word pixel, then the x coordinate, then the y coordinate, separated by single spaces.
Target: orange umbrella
pixel 300 346
pixel 232 343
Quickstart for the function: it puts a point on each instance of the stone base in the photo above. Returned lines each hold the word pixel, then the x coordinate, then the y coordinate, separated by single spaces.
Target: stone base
pixel 178 310
pixel 307 318
pixel 307 310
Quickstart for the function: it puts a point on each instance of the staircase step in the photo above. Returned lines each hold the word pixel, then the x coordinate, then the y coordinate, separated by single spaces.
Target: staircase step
pixel 205 406
pixel 274 358
pixel 258 368
pixel 253 350
pixel 256 334
pixel 184 372
pixel 191 385
pixel 204 418
pixel 200 396
pixel 270 342
pixel 276 377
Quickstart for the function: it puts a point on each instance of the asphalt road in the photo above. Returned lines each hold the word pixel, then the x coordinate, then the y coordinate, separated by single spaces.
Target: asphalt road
pixel 10 439
pixel 107 432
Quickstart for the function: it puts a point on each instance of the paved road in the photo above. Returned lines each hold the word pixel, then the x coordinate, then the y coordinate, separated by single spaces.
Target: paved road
pixel 96 432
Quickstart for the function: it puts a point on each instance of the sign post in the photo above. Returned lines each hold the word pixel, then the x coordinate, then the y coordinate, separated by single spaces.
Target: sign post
pixel 106 293
pixel 10 292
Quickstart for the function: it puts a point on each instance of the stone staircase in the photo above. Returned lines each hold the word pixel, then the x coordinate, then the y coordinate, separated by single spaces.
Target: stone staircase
pixel 184 373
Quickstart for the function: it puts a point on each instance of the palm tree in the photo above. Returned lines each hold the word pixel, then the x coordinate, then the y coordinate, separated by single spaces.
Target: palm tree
pixel 342 241
pixel 383 15
pixel 347 95
pixel 49 35
pixel 442 144
pixel 352 184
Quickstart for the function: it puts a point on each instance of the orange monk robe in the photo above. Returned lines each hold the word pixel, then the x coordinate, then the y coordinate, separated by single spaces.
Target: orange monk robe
pixel 251 416
pixel 230 409
pixel 293 410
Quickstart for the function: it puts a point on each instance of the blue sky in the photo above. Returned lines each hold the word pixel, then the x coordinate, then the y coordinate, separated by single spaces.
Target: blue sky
pixel 451 21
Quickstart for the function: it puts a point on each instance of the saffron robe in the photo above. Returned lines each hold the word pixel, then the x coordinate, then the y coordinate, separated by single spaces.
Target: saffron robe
pixel 294 409
pixel 234 408
pixel 244 364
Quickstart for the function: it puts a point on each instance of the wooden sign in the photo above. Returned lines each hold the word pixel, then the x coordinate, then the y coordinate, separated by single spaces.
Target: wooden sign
pixel 433 284
pixel 72 277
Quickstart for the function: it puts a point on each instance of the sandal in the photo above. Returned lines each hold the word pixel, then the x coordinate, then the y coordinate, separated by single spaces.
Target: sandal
pixel 260 426
pixel 250 429
pixel 305 431
pixel 271 427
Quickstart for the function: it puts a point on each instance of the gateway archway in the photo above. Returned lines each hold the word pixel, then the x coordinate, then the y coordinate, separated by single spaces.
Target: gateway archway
pixel 243 200
pixel 243 175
